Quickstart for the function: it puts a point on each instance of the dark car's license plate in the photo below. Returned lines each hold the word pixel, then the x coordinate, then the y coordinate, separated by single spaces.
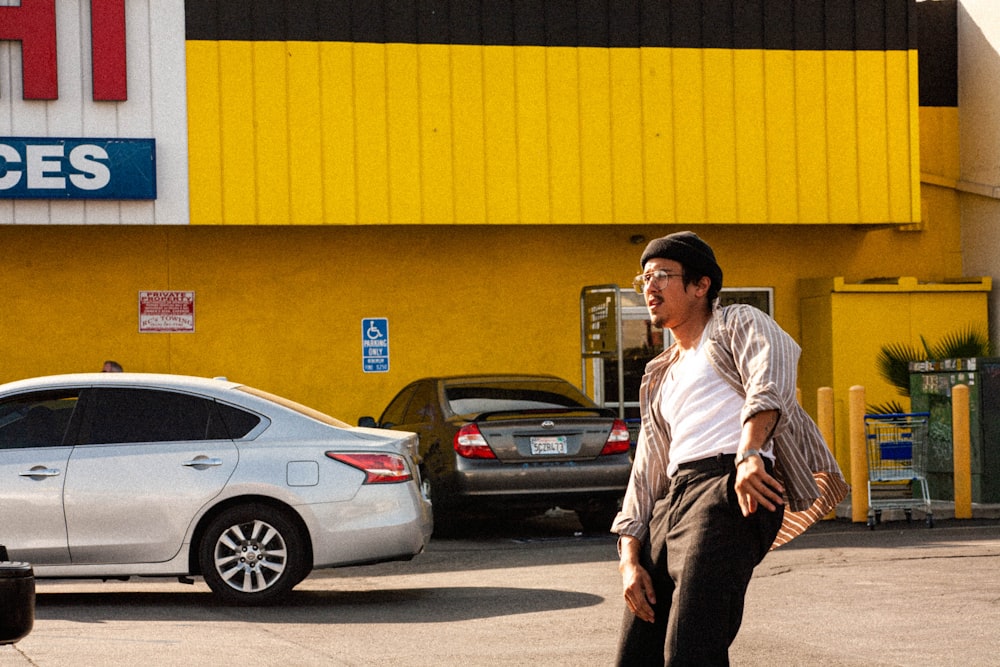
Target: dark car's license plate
pixel 546 445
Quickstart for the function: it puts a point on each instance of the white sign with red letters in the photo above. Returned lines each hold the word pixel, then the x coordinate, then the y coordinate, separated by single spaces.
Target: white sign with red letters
pixel 92 72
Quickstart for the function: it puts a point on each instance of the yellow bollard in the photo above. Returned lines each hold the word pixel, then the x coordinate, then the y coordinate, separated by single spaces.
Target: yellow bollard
pixel 961 451
pixel 859 458
pixel 824 419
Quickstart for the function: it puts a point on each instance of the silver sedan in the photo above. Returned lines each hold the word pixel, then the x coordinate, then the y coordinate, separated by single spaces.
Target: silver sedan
pixel 110 475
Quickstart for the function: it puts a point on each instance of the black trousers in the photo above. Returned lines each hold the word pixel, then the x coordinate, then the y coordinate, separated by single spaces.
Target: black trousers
pixel 700 554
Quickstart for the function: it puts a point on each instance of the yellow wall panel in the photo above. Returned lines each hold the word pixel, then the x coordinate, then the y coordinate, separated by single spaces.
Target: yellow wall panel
pixel 371 132
pixel 939 142
pixel 338 148
pixel 913 146
pixel 873 174
pixel 305 134
pixel 689 104
pixel 595 135
pixel 238 136
pixel 500 125
pixel 810 135
pixel 841 103
pixel 469 133
pixel 782 151
pixel 204 131
pixel 901 105
pixel 750 136
pixel 270 170
pixel 563 104
pixel 530 81
pixel 720 134
pixel 626 137
pixel 658 134
pixel 405 133
pixel 403 125
pixel 437 192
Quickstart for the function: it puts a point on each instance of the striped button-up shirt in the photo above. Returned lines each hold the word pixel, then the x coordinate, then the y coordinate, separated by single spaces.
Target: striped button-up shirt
pixel 759 360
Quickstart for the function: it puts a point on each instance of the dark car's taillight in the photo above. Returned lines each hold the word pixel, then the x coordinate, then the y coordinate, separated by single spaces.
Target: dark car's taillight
pixel 618 441
pixel 378 468
pixel 470 443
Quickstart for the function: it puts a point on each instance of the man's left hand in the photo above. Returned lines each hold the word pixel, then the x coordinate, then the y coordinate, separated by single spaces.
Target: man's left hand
pixel 755 487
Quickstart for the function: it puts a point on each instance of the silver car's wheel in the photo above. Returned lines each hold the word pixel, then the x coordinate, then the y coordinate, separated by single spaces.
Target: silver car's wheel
pixel 252 555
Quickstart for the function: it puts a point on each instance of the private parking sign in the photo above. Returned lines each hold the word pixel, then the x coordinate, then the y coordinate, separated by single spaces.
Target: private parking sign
pixel 375 344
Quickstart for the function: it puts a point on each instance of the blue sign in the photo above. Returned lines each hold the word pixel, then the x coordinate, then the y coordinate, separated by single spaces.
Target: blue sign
pixel 53 168
pixel 375 344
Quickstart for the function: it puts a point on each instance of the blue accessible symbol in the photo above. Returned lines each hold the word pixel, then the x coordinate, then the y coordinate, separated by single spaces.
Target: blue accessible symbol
pixel 375 344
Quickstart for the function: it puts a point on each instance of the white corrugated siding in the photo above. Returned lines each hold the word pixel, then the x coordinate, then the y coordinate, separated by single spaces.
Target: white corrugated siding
pixel 156 107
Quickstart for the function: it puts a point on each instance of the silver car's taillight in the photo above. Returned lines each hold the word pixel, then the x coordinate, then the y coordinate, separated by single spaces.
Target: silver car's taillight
pixel 378 468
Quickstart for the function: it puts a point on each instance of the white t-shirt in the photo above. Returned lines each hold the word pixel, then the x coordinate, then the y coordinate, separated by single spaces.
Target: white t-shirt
pixel 703 411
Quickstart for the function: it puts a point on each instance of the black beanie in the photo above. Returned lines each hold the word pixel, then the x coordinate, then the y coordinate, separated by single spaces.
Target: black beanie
pixel 688 249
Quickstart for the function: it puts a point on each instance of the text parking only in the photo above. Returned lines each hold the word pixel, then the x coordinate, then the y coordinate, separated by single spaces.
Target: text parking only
pixel 375 344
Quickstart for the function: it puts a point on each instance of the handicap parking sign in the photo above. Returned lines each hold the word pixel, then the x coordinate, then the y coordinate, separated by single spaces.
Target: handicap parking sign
pixel 375 344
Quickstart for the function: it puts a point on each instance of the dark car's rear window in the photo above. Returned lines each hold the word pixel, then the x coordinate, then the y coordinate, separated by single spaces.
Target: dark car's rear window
pixel 467 399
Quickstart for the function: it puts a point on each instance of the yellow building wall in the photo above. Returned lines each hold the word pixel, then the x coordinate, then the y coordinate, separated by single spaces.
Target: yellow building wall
pixel 286 132
pixel 280 307
pixel 939 144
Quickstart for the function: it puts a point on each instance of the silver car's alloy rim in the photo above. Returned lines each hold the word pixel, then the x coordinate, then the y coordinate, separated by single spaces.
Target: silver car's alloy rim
pixel 250 556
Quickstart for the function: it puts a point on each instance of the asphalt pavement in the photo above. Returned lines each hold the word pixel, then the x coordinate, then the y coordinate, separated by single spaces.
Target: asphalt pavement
pixel 902 594
pixel 541 592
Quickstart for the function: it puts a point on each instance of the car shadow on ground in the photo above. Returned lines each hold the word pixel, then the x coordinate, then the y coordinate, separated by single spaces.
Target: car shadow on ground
pixel 404 605
pixel 333 595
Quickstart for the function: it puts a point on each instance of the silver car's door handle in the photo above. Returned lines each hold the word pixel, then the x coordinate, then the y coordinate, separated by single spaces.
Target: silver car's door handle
pixel 41 471
pixel 202 462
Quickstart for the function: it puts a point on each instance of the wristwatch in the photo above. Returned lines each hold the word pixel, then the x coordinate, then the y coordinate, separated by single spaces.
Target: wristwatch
pixel 744 455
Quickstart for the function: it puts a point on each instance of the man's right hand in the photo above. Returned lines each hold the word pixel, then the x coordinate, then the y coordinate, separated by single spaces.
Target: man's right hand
pixel 636 582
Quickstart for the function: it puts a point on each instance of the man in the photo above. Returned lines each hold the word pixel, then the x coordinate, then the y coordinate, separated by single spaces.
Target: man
pixel 728 465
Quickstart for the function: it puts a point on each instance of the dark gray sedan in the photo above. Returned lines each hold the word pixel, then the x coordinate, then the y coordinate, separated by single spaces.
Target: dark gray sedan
pixel 514 443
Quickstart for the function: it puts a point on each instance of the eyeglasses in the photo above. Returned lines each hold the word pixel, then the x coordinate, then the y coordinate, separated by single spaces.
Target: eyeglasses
pixel 657 279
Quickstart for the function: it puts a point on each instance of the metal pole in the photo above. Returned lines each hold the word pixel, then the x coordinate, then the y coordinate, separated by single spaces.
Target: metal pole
pixel 620 350
pixel 583 342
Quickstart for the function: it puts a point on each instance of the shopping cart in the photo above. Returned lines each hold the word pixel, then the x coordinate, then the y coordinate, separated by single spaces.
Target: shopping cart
pixel 897 458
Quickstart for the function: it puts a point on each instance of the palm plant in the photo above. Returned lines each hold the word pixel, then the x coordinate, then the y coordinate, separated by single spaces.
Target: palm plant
pixel 971 342
pixel 893 363
pixel 894 359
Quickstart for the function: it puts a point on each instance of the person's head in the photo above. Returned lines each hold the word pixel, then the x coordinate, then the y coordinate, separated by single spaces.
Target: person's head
pixel 111 367
pixel 694 255
pixel 683 256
